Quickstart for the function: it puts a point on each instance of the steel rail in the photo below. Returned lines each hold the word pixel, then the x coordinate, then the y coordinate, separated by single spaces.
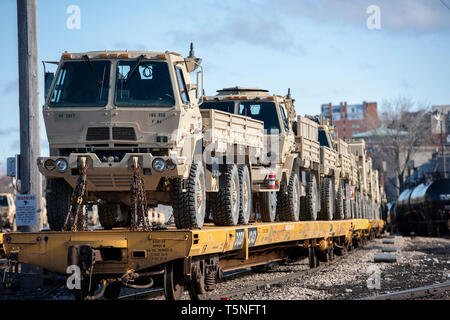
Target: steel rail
pixel 421 292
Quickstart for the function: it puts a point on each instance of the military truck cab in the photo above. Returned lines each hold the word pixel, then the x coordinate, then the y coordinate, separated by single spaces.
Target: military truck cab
pixel 7 210
pixel 275 172
pixel 110 115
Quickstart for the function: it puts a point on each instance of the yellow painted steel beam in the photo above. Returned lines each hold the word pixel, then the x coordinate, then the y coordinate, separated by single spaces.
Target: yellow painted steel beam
pixel 139 250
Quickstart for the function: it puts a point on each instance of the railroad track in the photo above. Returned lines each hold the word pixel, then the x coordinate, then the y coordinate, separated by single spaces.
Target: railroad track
pixel 158 292
pixel 421 292
pixel 260 285
pixel 236 274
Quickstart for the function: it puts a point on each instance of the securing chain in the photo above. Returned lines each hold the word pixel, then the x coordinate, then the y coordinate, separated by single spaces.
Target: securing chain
pixel 138 200
pixel 77 216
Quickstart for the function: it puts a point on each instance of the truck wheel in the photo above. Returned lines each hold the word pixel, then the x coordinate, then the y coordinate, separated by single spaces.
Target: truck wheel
pixel 347 203
pixel 327 199
pixel 353 207
pixel 339 212
pixel 189 207
pixel 57 197
pixel 227 201
pixel 288 201
pixel 245 205
pixel 268 206
pixel 113 215
pixel 311 206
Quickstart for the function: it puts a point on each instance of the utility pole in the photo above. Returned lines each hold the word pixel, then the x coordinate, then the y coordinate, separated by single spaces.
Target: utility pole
pixel 30 143
pixel 443 143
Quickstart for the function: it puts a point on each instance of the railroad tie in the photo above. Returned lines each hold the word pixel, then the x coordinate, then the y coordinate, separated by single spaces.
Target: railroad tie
pixel 384 257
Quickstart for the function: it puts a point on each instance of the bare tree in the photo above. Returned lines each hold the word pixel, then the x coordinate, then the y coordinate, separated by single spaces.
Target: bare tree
pixel 6 184
pixel 407 127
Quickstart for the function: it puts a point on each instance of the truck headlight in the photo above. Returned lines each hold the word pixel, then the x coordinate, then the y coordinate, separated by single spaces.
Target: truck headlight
pixel 49 164
pixel 159 164
pixel 171 165
pixel 61 165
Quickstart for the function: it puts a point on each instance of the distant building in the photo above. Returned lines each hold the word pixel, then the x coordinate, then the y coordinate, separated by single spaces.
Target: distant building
pixel 351 119
pixel 440 120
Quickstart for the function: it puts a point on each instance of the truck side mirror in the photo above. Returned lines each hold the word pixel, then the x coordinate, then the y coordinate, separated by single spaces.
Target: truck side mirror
pixel 48 79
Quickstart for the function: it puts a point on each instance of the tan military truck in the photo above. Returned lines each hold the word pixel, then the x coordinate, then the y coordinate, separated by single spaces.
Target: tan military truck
pixel 357 147
pixel 273 176
pixel 123 118
pixel 308 149
pixel 7 210
pixel 347 166
pixel 330 184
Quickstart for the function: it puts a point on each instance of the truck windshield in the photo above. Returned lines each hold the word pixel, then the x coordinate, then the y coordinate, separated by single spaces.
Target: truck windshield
pixel 221 106
pixel 82 83
pixel 3 201
pixel 143 84
pixel 262 111
pixel 323 139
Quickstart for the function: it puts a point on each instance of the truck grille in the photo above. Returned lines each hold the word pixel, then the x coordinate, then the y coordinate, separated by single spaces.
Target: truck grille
pixel 105 181
pixel 124 133
pixel 97 133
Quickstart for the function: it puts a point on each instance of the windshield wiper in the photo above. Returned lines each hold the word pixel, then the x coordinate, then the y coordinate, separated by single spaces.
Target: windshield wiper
pixel 134 68
pixel 91 66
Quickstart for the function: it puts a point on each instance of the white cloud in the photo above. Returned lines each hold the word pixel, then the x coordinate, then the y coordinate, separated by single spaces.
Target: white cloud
pixel 398 15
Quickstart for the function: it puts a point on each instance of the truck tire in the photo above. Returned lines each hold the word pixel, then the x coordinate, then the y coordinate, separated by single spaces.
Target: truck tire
pixel 226 203
pixel 189 207
pixel 57 197
pixel 268 206
pixel 245 205
pixel 113 215
pixel 327 199
pixel 288 200
pixel 347 203
pixel 311 206
pixel 339 212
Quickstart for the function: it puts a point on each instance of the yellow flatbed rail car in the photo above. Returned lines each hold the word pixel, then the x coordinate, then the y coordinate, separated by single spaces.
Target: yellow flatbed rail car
pixel 121 251
pixel 1 246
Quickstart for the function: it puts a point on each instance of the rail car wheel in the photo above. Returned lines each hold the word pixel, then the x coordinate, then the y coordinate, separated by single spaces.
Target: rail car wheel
pixel 312 258
pixel 198 285
pixel 113 215
pixel 226 202
pixel 189 207
pixel 327 199
pixel 311 200
pixel 288 201
pixel 339 212
pixel 174 286
pixel 84 292
pixel 330 253
pixel 112 291
pixel 323 256
pixel 245 205
pixel 268 206
pixel 58 195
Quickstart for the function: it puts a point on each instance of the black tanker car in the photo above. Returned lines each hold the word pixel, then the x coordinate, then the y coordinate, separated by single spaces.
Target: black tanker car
pixel 424 209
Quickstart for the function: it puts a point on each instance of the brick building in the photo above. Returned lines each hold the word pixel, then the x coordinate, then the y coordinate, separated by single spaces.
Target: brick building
pixel 351 119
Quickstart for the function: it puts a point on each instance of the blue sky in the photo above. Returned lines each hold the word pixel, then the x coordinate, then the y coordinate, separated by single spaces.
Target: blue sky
pixel 321 49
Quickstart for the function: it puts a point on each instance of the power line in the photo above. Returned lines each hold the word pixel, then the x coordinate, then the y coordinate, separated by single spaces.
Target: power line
pixel 442 1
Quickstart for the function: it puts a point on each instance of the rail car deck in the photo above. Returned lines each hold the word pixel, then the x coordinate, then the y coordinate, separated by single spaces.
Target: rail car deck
pixel 119 250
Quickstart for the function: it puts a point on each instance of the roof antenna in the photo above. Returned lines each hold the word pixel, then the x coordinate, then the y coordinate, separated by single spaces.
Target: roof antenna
pixel 289 94
pixel 191 51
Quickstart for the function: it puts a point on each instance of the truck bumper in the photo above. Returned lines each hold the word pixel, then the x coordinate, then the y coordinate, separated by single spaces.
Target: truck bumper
pixel 110 175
